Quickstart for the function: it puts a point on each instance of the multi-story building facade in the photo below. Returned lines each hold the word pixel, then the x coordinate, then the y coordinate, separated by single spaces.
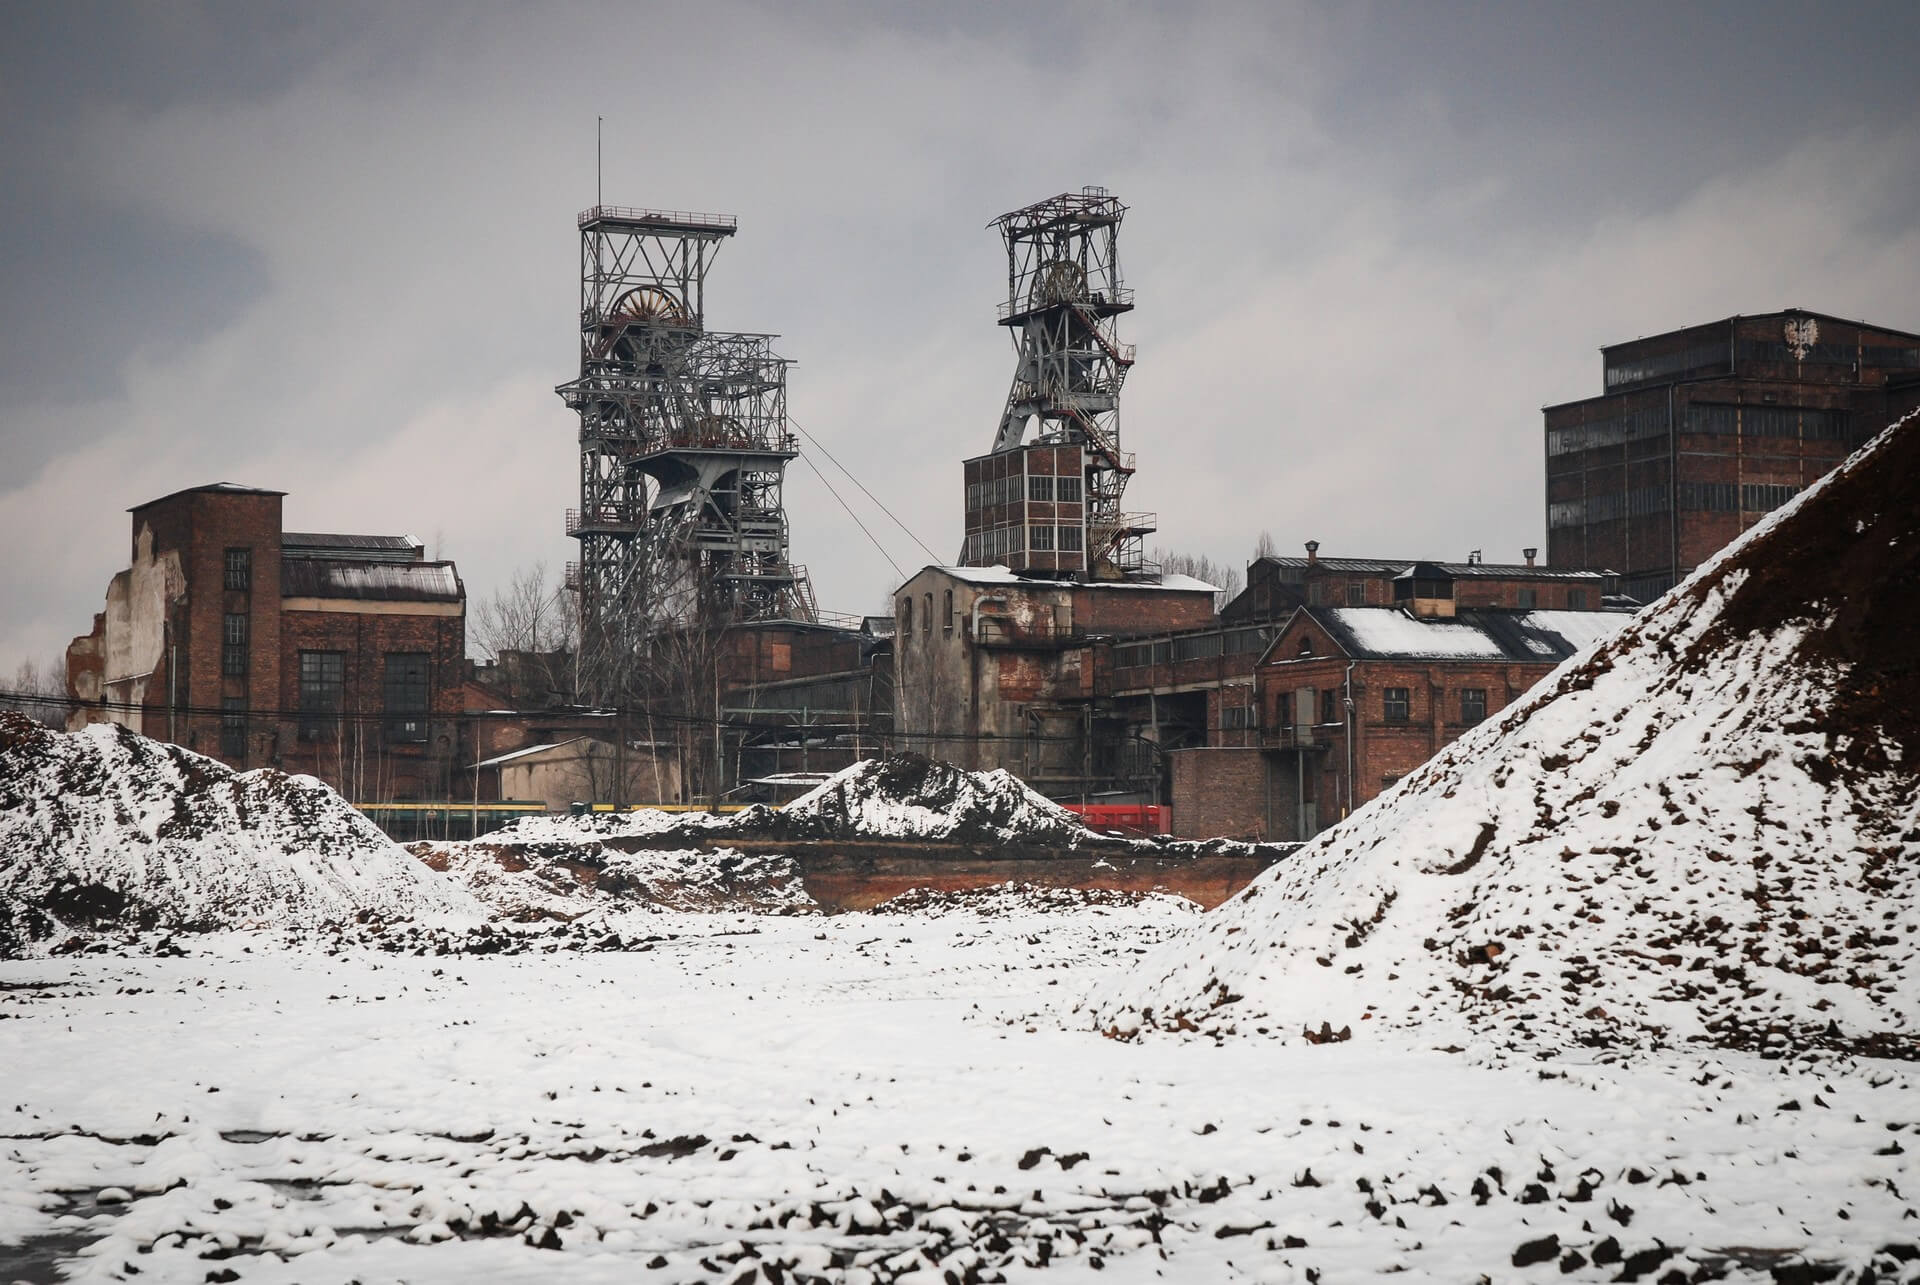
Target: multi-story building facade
pixel 341 656
pixel 1347 700
pixel 1699 433
pixel 1276 585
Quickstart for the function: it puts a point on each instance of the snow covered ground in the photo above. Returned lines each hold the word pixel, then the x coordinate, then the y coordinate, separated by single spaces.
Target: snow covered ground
pixel 871 1097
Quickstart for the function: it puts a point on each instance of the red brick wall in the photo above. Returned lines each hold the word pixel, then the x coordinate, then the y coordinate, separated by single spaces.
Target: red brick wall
pixel 1220 792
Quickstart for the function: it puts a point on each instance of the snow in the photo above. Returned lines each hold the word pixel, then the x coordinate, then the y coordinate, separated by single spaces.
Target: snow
pixel 909 796
pixel 1581 629
pixel 999 575
pixel 105 825
pixel 1397 633
pixel 1701 834
pixel 863 1098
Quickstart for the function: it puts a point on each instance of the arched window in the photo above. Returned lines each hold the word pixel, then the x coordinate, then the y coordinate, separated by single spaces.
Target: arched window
pixel 926 624
pixel 947 627
pixel 1306 646
pixel 906 614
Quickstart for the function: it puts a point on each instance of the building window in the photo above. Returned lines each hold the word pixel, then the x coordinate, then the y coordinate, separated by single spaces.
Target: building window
pixel 1529 598
pixel 1576 600
pixel 1473 705
pixel 947 628
pixel 233 727
pixel 1356 593
pixel 1329 706
pixel 906 614
pixel 1040 489
pixel 1040 539
pixel 323 686
pixel 1067 490
pixel 926 622
pixel 233 645
pixel 1397 707
pixel 1236 717
pixel 1069 535
pixel 240 569
pixel 405 692
pixel 1306 647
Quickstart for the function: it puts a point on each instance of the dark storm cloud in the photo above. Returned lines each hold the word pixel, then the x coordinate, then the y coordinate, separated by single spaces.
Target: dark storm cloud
pixel 331 249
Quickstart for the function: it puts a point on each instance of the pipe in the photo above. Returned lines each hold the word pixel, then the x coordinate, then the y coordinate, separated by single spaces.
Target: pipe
pixel 1349 705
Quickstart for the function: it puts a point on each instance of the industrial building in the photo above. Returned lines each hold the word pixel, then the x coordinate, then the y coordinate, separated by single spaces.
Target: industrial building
pixel 1699 433
pixel 341 656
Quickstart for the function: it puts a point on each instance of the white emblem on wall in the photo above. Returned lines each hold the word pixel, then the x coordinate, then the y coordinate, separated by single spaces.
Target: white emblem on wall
pixel 1802 334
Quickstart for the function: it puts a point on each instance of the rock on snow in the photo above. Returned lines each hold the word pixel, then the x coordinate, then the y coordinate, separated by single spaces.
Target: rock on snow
pixel 1702 831
pixel 105 829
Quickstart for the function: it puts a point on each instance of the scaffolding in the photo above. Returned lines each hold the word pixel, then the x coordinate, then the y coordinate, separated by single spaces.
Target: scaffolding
pixel 684 443
pixel 1064 296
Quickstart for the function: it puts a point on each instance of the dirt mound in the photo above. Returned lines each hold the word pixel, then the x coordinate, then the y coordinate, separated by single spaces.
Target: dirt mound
pixel 104 830
pixel 562 880
pixel 910 796
pixel 1011 898
pixel 1706 831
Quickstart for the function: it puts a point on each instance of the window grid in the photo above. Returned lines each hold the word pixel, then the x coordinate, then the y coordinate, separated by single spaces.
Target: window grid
pixel 233 645
pixel 405 693
pixel 1396 707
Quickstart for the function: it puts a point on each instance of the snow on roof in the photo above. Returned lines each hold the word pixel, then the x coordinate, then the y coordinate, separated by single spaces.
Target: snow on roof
pixel 1474 633
pixel 527 752
pixel 387 581
pixel 1458 570
pixel 1388 631
pixel 1002 576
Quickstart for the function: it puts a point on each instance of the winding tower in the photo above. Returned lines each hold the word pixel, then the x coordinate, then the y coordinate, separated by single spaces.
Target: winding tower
pixel 1048 497
pixel 684 445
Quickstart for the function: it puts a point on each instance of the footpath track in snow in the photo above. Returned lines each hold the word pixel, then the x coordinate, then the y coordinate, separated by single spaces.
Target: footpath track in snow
pixel 864 1098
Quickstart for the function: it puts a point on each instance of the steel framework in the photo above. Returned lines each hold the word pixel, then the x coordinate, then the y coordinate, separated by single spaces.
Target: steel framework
pixel 1064 296
pixel 684 444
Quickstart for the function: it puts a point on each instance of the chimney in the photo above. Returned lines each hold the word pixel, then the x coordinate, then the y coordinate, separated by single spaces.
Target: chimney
pixel 1473 557
pixel 1313 552
pixel 1529 554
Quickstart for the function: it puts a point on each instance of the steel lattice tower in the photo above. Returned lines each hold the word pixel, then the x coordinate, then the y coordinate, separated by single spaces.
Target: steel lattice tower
pixel 683 448
pixel 1064 296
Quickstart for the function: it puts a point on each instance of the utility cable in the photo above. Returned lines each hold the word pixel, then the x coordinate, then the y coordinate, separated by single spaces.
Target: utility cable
pixel 863 488
pixel 856 518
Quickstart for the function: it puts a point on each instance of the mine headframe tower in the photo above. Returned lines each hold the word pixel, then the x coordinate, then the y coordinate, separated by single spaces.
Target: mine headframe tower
pixel 684 443
pixel 1054 503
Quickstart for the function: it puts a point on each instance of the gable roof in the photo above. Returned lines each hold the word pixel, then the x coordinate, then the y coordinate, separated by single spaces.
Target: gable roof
pixel 1474 633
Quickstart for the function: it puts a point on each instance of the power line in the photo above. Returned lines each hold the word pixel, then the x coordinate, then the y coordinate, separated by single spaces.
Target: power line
pixel 863 488
pixel 856 517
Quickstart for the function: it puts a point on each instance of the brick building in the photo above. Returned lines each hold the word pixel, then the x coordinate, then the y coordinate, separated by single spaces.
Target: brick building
pixel 1700 432
pixel 341 656
pixel 1276 586
pixel 1347 700
pixel 993 670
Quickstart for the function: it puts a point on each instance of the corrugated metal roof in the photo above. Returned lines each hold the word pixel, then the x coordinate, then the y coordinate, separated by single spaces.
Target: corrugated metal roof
pixel 369 581
pixel 1394 566
pixel 363 548
pixel 1474 633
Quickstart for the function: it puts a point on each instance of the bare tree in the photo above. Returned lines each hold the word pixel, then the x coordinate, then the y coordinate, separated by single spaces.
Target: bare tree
pixel 1227 581
pixel 1265 547
pixel 530 629
pixel 40 694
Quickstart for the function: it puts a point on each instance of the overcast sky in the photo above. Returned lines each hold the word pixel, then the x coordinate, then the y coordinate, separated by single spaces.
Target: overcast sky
pixel 330 249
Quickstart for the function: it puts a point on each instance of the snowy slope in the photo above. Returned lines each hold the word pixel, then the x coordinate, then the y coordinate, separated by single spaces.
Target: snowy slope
pixel 1703 830
pixel 104 828
pixel 909 796
pixel 566 877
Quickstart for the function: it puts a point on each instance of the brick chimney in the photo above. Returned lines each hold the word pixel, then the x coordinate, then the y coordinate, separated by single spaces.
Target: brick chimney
pixel 1313 552
pixel 1530 554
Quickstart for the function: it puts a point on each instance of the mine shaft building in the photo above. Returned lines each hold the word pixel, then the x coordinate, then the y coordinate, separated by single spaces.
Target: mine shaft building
pixel 1699 433
pixel 338 655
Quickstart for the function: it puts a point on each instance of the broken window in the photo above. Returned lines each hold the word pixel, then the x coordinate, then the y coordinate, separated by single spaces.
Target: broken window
pixel 239 567
pixel 323 688
pixel 233 727
pixel 404 692
pixel 233 645
pixel 1397 707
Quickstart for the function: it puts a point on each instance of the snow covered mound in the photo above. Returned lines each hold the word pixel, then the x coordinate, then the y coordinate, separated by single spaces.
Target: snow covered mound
pixel 1011 900
pixel 107 830
pixel 910 796
pixel 563 880
pixel 1704 831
